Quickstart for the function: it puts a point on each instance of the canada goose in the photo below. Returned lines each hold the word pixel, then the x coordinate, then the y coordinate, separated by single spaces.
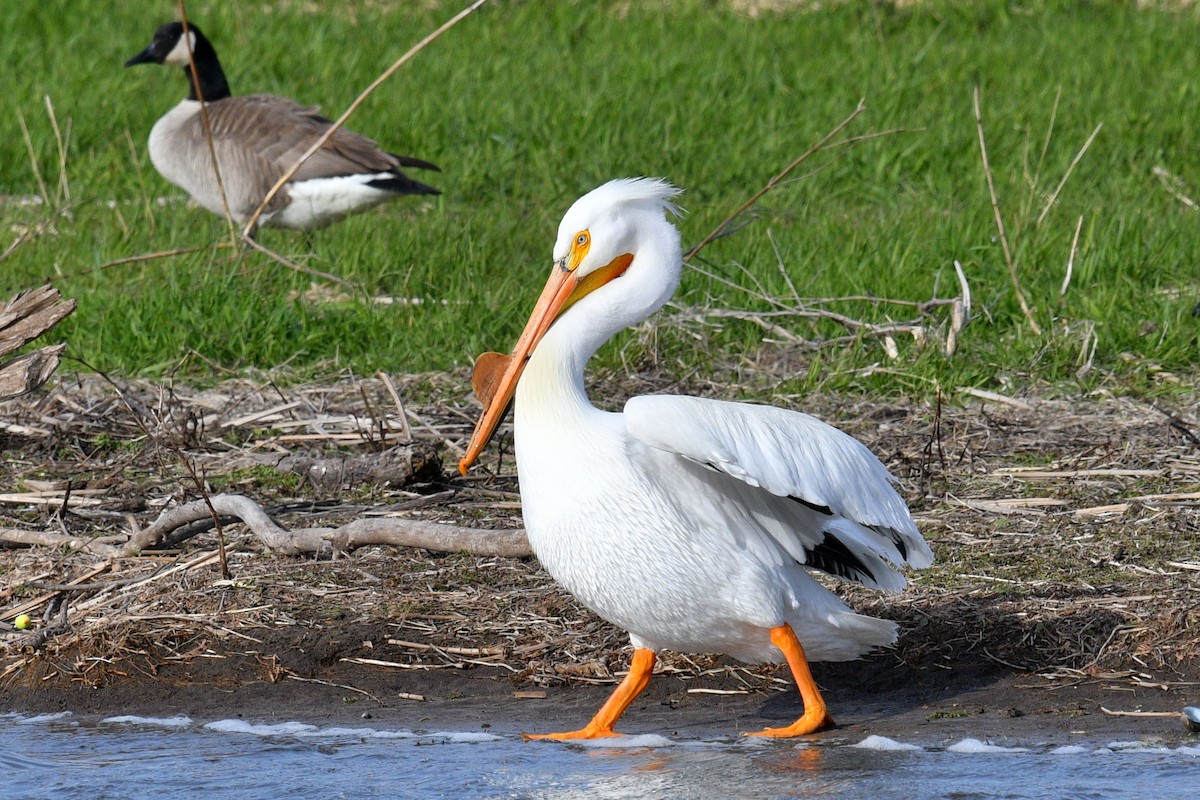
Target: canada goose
pixel 257 138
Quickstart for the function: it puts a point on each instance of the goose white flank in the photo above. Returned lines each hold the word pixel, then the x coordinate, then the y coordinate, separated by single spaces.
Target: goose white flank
pixel 257 139
pixel 691 523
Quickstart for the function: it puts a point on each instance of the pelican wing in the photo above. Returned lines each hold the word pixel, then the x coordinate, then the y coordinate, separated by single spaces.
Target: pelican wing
pixel 846 516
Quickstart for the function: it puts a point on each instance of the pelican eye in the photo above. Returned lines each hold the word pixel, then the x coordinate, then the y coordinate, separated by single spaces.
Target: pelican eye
pixel 579 249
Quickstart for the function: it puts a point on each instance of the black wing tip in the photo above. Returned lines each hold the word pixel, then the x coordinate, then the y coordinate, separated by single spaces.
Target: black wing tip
pixel 832 556
pixel 820 509
pixel 402 184
pixel 415 163
pixel 892 535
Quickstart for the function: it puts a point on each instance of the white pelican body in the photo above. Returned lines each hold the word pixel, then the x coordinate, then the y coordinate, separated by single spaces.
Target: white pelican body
pixel 691 523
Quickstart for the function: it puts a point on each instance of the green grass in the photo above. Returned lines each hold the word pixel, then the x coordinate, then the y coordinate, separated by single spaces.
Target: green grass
pixel 528 105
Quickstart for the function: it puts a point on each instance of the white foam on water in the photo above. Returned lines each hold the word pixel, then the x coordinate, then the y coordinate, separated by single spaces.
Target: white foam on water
pixel 178 721
pixel 463 737
pixel 635 740
pixel 353 733
pixel 1153 748
pixel 241 726
pixel 976 746
pixel 1069 750
pixel 302 730
pixel 1188 750
pixel 41 718
pixel 389 734
pixel 884 744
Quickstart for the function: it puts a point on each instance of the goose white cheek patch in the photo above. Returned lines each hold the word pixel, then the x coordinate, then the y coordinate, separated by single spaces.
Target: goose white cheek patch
pixel 179 53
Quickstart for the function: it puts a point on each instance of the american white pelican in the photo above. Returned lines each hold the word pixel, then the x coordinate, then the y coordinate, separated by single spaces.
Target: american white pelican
pixel 690 523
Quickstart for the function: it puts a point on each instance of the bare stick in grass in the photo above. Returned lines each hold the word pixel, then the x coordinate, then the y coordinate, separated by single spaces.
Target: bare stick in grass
pixel 179 251
pixel 248 230
pixel 64 187
pixel 307 270
pixel 33 160
pixel 773 182
pixel 1066 284
pixel 208 137
pixel 1175 185
pixel 960 310
pixel 1067 174
pixel 1008 259
pixel 137 168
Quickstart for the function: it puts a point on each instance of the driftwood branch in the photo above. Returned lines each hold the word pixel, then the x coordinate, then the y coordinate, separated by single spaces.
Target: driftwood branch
pixel 395 532
pixel 30 371
pixel 46 539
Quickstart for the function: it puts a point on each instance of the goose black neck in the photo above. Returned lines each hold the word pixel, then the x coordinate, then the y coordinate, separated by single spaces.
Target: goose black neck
pixel 210 77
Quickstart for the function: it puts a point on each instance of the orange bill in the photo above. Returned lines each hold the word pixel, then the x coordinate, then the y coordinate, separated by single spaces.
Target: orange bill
pixel 563 289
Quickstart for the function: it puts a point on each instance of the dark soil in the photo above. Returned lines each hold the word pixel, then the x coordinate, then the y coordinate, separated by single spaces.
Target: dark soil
pixel 1067 534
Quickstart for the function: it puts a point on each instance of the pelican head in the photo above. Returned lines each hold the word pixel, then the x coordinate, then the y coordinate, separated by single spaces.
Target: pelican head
pixel 599 239
pixel 604 224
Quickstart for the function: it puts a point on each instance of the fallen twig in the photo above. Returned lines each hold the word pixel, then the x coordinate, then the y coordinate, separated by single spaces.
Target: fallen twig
pixel 1175 185
pixel 1112 713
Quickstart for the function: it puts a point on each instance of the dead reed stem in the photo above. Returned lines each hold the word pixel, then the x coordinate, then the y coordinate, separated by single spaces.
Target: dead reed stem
pixel 1008 259
pixel 774 181
pixel 358 101
pixel 208 136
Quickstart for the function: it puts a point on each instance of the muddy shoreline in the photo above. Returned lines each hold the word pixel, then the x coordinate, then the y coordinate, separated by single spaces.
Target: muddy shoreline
pixel 1067 580
pixel 920 707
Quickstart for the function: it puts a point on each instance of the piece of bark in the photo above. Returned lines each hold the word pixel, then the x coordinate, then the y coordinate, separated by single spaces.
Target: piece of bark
pixel 396 466
pixel 29 314
pixel 25 317
pixel 28 372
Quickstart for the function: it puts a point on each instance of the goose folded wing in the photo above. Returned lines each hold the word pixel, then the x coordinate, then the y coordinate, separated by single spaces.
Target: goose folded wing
pixel 280 131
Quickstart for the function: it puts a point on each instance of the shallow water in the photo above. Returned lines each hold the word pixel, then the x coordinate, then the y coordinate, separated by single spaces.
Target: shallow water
pixel 61 757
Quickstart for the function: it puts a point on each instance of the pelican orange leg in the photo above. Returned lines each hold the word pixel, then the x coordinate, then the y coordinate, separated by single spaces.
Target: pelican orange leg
pixel 602 724
pixel 815 717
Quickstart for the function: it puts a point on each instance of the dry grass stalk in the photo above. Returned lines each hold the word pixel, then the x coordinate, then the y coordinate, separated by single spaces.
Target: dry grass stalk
pixel 248 230
pixel 1175 185
pixel 1066 175
pixel 774 181
pixel 1008 259
pixel 1066 284
pixel 204 118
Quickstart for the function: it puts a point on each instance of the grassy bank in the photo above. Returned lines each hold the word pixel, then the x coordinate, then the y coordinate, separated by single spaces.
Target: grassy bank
pixel 527 105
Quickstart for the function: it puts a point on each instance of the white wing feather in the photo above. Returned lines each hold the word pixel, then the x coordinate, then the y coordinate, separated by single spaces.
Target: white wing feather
pixel 788 454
